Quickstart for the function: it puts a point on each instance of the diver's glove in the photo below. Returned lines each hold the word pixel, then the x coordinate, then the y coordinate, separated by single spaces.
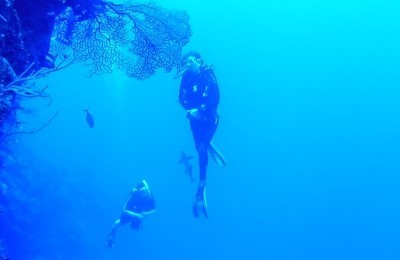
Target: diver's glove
pixel 193 113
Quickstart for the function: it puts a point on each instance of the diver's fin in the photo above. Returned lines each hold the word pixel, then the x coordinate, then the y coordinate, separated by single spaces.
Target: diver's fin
pixel 204 208
pixel 110 241
pixel 200 206
pixel 216 155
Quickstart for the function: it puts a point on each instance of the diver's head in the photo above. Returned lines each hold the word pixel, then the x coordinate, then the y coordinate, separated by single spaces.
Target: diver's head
pixel 143 189
pixel 193 61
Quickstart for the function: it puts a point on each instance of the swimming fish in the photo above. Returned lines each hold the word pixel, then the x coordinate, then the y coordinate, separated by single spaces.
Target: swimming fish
pixel 89 118
pixel 185 160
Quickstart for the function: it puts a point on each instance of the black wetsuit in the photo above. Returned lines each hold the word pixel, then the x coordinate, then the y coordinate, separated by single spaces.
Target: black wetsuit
pixel 201 91
pixel 137 203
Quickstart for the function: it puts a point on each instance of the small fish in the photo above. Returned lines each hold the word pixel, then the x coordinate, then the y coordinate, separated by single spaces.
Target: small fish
pixel 89 118
pixel 188 167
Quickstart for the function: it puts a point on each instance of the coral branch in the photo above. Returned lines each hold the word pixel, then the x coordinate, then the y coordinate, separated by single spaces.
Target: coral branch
pixel 34 130
pixel 138 39
pixel 2 18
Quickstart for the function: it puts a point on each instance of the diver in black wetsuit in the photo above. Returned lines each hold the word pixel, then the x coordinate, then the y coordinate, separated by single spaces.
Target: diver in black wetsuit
pixel 199 95
pixel 139 204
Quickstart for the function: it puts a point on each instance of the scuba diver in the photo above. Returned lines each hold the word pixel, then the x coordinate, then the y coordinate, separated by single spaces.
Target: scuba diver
pixel 139 204
pixel 199 96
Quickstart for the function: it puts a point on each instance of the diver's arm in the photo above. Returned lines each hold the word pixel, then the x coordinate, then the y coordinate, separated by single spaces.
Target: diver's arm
pixel 134 214
pixel 182 95
pixel 129 197
pixel 140 215
pixel 212 96
pixel 191 112
pixel 145 213
pixel 150 208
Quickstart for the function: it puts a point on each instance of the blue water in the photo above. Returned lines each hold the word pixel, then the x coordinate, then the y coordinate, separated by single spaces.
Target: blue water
pixel 309 126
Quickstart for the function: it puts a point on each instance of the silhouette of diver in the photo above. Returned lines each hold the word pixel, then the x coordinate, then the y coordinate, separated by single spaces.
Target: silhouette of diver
pixel 199 96
pixel 139 204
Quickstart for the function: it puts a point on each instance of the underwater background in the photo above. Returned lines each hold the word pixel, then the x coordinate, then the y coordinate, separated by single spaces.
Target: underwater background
pixel 309 127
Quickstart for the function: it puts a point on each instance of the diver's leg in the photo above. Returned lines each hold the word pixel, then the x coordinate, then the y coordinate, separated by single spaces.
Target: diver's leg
pixel 134 218
pixel 111 236
pixel 212 128
pixel 199 131
pixel 115 227
pixel 200 205
pixel 203 163
pixel 208 128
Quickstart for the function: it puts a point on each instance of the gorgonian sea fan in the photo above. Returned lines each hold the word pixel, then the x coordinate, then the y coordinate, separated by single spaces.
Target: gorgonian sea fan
pixel 139 39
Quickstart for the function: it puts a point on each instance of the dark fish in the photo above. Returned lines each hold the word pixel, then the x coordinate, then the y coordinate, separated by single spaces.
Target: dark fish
pixel 188 167
pixel 89 118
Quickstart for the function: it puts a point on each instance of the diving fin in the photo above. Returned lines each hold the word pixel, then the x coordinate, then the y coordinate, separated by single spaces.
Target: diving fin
pixel 216 155
pixel 200 205
pixel 110 241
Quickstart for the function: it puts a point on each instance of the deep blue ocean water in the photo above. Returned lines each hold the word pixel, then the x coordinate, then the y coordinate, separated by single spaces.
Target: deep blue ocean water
pixel 310 128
